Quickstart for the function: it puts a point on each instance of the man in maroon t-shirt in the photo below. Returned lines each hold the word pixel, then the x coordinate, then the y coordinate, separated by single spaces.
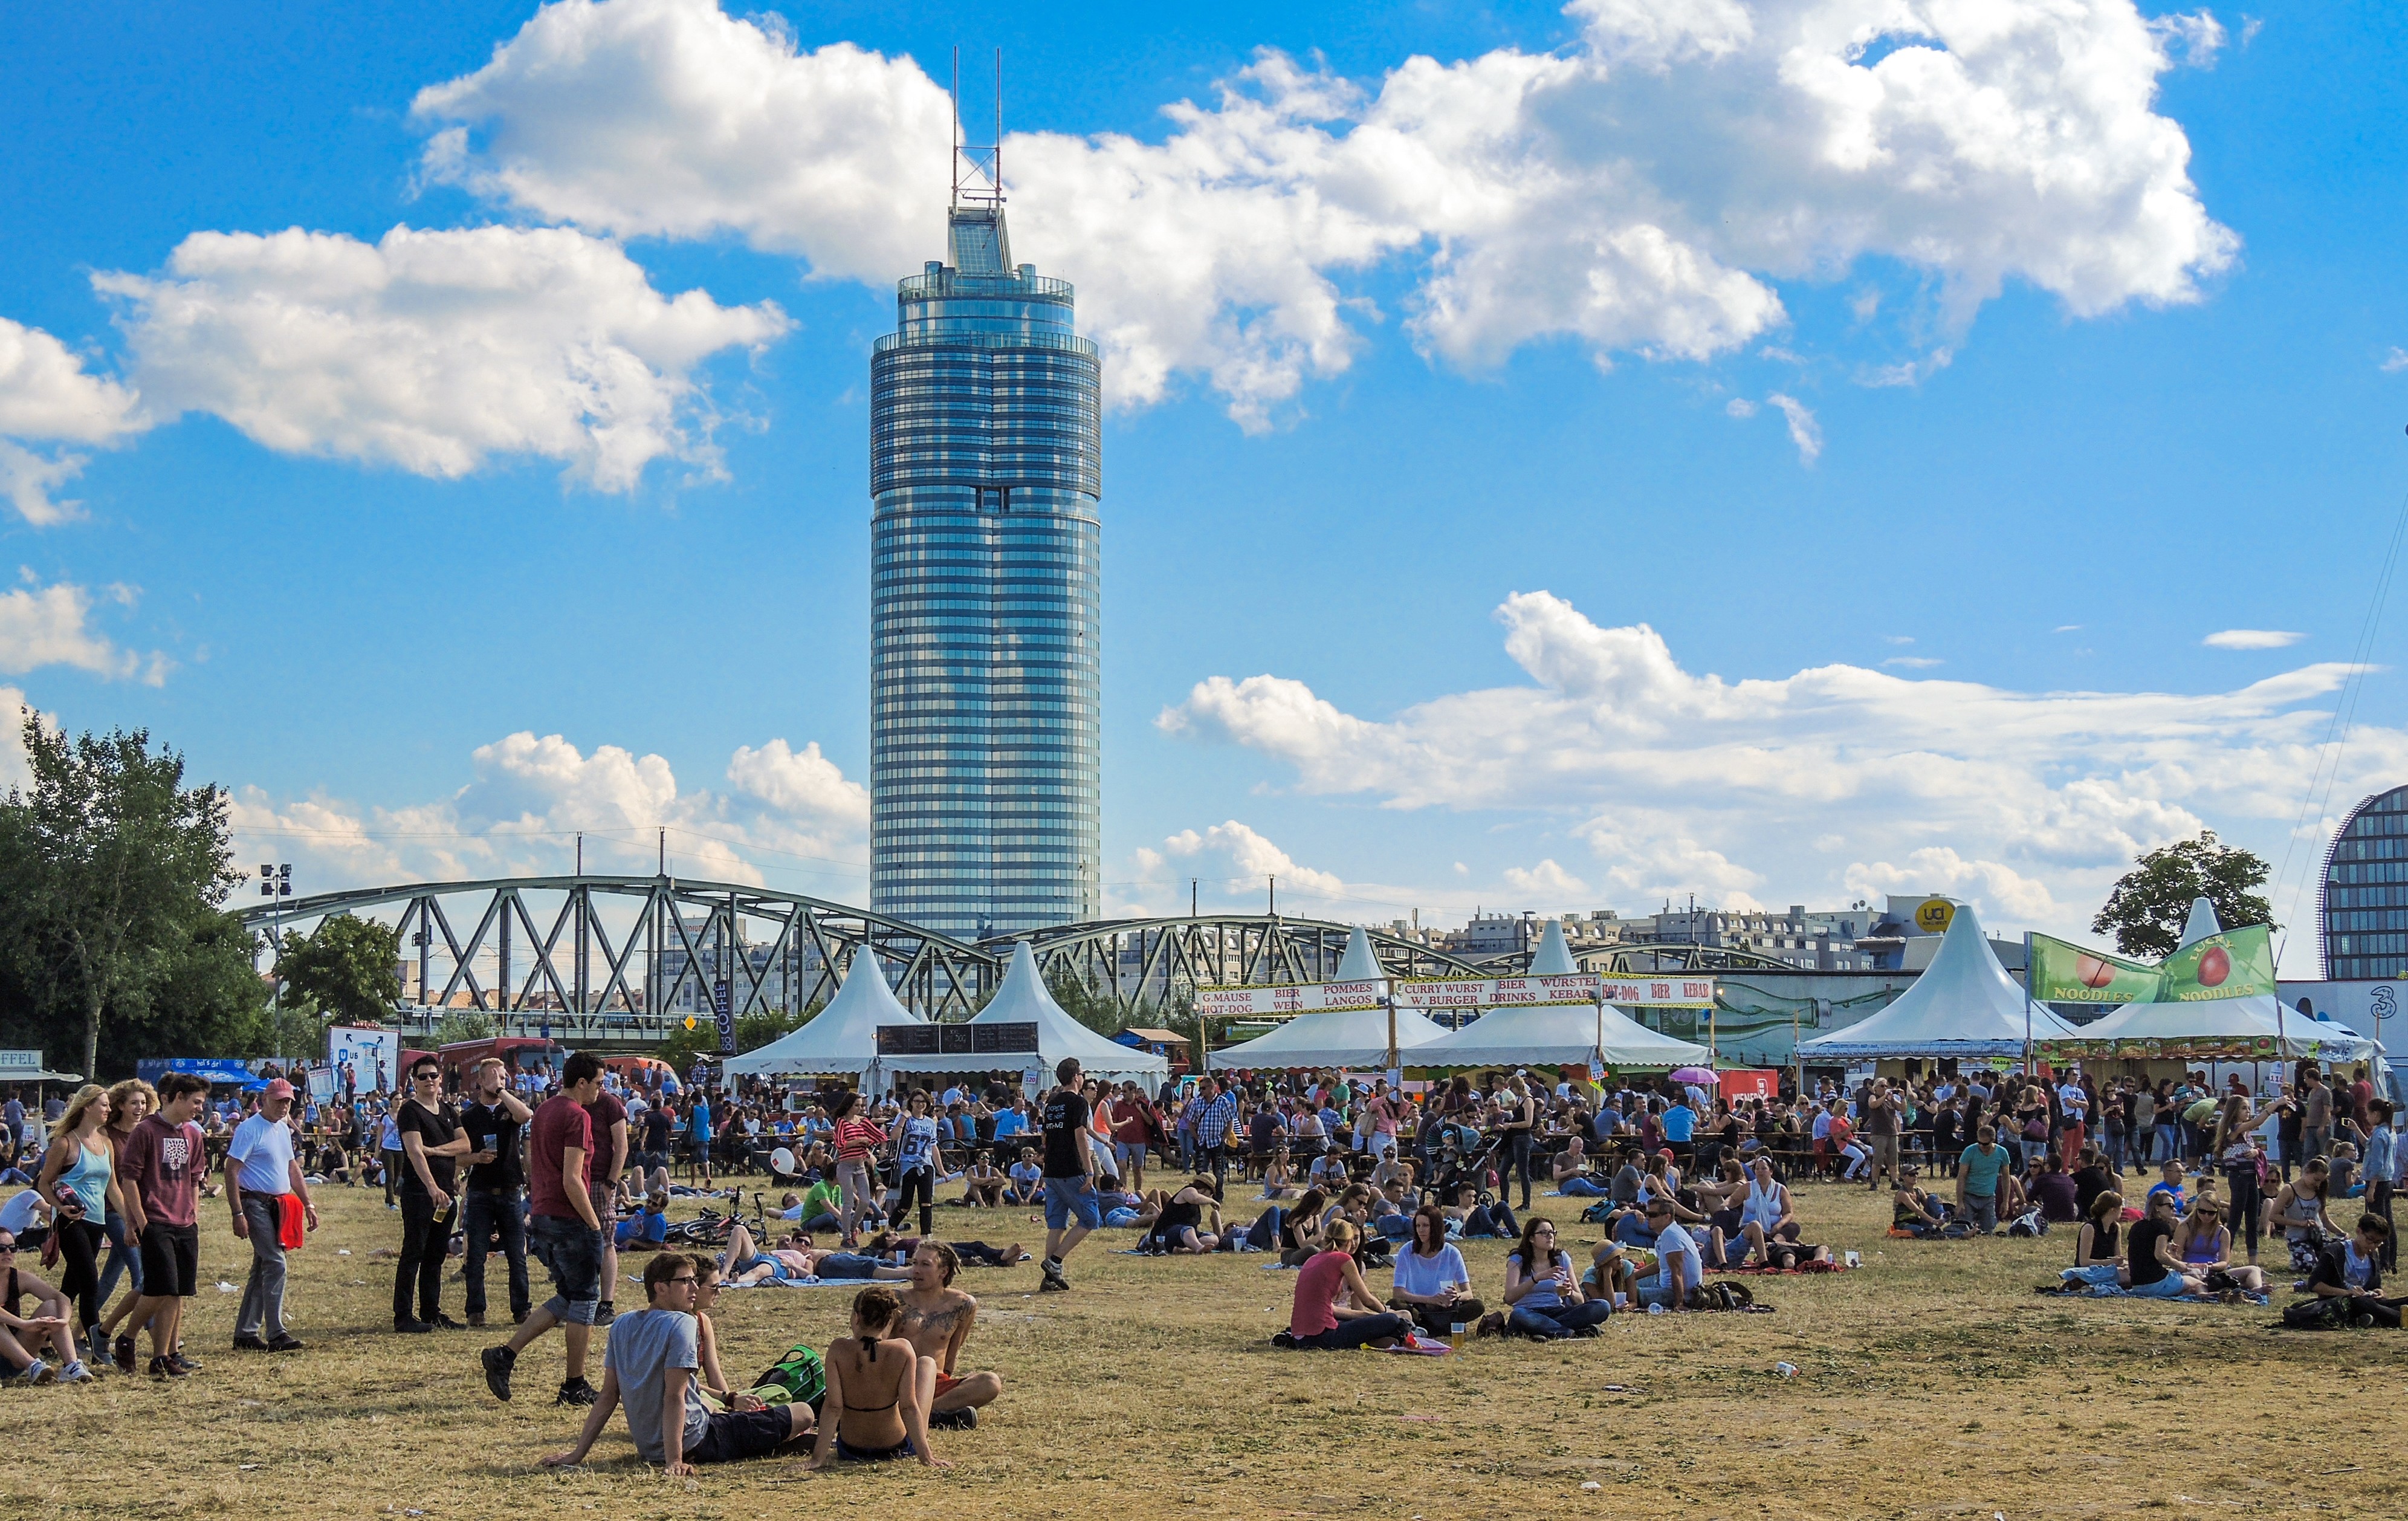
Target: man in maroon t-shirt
pixel 603 1166
pixel 565 1233
pixel 160 1165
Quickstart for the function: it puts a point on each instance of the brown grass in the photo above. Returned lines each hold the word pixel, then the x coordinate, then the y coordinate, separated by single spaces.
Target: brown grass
pixel 1930 1382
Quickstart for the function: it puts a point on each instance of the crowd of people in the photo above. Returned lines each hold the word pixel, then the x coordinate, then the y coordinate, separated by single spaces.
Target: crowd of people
pixel 1351 1181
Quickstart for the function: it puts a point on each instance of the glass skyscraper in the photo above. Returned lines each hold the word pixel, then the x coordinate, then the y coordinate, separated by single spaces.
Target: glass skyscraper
pixel 985 478
pixel 2364 903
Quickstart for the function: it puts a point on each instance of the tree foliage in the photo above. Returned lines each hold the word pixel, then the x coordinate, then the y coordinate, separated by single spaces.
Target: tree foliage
pixel 113 877
pixel 348 971
pixel 2146 911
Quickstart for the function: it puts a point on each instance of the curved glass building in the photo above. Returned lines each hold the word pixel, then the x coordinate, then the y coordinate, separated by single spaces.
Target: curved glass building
pixel 2363 906
pixel 985 477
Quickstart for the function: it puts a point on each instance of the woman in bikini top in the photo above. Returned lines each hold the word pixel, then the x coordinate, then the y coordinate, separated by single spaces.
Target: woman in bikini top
pixel 879 1389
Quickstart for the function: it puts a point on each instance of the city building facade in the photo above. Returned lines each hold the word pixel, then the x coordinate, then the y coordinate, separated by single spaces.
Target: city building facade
pixel 985 597
pixel 2362 904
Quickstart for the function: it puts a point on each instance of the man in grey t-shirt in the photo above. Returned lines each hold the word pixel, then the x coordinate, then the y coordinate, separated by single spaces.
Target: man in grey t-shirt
pixel 651 1361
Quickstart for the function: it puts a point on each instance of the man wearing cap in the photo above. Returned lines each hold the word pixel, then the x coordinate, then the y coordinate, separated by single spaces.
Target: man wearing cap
pixel 262 1175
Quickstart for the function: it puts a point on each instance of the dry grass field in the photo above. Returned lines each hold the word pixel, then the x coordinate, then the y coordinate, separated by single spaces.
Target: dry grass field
pixel 1930 1382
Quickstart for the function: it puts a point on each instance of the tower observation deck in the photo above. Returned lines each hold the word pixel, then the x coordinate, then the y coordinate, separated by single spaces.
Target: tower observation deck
pixel 985 480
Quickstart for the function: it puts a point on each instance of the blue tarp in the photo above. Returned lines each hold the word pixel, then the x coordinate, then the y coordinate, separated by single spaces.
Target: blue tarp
pixel 218 1069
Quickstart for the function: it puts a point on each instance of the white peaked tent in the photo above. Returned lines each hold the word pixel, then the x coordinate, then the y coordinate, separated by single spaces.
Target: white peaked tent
pixel 1022 998
pixel 2206 1021
pixel 1348 1038
pixel 1963 1005
pixel 1558 1035
pixel 842 1037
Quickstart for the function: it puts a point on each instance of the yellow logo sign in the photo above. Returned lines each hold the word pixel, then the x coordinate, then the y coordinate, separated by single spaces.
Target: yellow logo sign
pixel 1932 914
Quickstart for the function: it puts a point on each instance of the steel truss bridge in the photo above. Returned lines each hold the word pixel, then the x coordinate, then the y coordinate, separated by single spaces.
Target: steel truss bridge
pixel 624 961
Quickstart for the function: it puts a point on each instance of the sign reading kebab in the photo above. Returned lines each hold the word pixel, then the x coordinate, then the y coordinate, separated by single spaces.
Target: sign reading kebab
pixel 1672 992
pixel 2236 963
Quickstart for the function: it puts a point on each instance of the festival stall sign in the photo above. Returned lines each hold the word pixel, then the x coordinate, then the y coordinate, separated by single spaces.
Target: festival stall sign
pixel 1576 987
pixel 1289 998
pixel 2231 964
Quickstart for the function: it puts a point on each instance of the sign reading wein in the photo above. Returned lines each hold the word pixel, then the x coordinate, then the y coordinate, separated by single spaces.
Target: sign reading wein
pixel 1677 992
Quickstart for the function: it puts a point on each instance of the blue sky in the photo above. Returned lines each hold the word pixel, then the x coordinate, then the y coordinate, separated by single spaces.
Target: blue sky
pixel 1928 394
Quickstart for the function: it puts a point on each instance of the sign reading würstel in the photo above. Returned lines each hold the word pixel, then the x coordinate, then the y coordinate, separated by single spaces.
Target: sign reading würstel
pixel 1677 992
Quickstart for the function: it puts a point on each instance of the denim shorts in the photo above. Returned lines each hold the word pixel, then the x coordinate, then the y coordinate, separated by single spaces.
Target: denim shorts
pixel 1072 1198
pixel 573 1252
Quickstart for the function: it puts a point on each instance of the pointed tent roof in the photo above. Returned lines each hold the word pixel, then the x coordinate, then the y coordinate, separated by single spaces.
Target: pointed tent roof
pixel 1024 998
pixel 1963 1005
pixel 842 1037
pixel 1555 958
pixel 1558 1035
pixel 1358 965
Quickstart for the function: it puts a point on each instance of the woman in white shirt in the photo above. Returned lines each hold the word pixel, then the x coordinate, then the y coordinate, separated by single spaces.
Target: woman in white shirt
pixel 1433 1286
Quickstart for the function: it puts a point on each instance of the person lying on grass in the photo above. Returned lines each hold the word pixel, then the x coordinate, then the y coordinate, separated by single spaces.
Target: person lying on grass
pixel 651 1365
pixel 793 1259
pixel 879 1390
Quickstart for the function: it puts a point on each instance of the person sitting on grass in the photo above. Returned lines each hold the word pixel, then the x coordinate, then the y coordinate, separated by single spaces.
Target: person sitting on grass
pixel 793 1259
pixel 1912 1211
pixel 879 1390
pixel 1181 1227
pixel 650 1364
pixel 2098 1249
pixel 2205 1245
pixel 1542 1298
pixel 1432 1284
pixel 984 1183
pixel 1027 1179
pixel 937 1319
pixel 2352 1270
pixel 1318 1322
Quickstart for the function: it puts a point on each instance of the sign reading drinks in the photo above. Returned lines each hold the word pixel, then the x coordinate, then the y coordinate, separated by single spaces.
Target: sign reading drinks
pixel 2236 963
pixel 1672 992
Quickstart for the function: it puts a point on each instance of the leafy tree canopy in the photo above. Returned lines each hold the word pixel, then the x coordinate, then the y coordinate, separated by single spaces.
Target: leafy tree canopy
pixel 2147 909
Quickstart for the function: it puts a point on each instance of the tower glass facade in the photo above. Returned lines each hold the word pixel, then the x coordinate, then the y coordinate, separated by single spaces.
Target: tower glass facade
pixel 2363 906
pixel 985 465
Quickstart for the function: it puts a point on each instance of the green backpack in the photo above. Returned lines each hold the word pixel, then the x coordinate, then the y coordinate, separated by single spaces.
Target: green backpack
pixel 798 1378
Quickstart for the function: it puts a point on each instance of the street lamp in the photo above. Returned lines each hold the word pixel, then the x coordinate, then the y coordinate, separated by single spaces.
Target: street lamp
pixel 276 884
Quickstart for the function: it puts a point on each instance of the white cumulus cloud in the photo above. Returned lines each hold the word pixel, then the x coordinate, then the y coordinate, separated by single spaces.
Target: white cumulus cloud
pixel 48 401
pixel 1640 191
pixel 434 351
pixel 52 625
pixel 2252 639
pixel 1683 783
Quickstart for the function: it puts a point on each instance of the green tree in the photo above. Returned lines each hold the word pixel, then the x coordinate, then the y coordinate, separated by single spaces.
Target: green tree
pixel 2147 909
pixel 112 872
pixel 348 971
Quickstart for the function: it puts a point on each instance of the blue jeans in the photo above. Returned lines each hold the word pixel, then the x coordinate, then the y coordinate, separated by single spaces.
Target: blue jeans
pixel 1557 1321
pixel 484 1214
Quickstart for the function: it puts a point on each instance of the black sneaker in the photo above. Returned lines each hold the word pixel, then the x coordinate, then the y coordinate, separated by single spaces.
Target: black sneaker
pixel 412 1328
pixel 576 1391
pixel 250 1344
pixel 499 1362
pixel 965 1419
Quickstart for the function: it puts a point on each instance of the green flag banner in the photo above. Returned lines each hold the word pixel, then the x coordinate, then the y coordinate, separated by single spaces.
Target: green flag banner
pixel 2063 972
pixel 2237 964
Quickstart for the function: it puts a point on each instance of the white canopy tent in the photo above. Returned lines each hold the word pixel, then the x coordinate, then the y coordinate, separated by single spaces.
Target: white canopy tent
pixel 842 1037
pixel 1335 1038
pixel 2214 1022
pixel 1022 998
pixel 1964 1005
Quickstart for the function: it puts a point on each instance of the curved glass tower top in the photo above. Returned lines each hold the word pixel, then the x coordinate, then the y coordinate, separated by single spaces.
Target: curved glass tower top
pixel 985 477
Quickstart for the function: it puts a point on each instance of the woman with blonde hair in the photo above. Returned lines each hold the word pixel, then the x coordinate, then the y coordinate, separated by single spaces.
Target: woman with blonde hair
pixel 128 1102
pixel 79 1171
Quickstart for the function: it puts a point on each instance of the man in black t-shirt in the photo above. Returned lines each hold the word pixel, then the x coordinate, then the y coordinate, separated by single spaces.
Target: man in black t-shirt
pixel 431 1148
pixel 1072 1207
pixel 490 1204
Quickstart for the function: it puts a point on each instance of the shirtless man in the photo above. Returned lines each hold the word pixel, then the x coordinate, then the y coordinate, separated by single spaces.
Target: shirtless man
pixel 937 1320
